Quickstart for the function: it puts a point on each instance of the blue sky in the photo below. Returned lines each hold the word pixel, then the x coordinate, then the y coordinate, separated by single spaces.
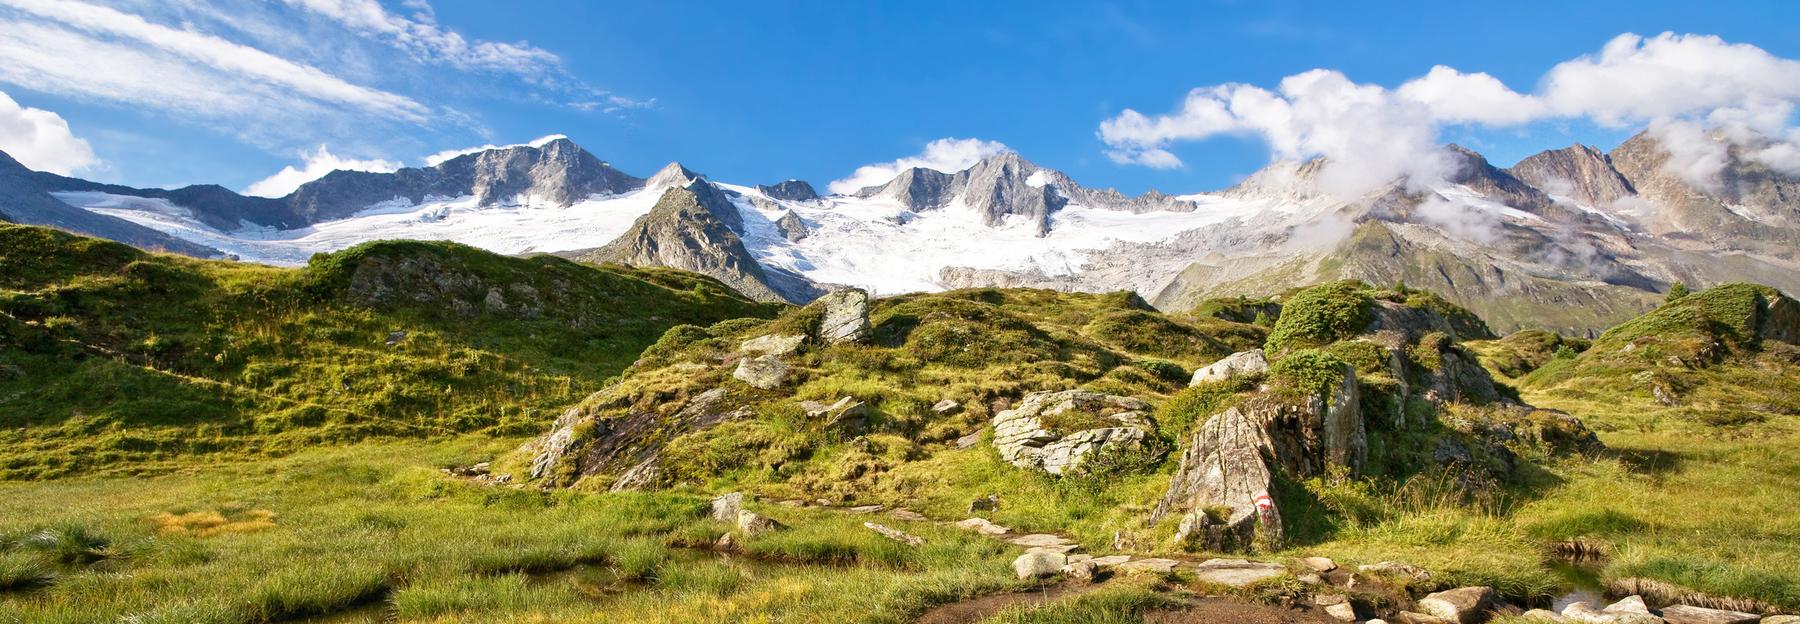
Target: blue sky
pixel 162 94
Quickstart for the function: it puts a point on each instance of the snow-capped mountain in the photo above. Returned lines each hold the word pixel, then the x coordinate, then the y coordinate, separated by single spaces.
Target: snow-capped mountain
pixel 1569 239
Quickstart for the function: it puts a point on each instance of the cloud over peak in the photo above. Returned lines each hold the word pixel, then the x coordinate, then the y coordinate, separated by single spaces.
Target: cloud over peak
pixel 1676 85
pixel 314 165
pixel 948 155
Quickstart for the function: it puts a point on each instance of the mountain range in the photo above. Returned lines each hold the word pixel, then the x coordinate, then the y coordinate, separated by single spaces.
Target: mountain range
pixel 1572 240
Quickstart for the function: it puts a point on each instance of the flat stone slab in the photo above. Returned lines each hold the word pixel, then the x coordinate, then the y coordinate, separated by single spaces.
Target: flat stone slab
pixel 1110 561
pixel 1040 539
pixel 1151 565
pixel 1237 572
pixel 1063 549
pixel 867 509
pixel 1683 614
pixel 982 526
pixel 907 514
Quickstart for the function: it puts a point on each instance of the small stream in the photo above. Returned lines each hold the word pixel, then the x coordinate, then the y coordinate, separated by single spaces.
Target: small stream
pixel 1582 579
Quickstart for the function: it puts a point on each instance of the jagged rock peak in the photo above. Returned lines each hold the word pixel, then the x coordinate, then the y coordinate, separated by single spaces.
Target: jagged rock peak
pixel 1282 179
pixel 1578 172
pixel 673 175
pixel 791 190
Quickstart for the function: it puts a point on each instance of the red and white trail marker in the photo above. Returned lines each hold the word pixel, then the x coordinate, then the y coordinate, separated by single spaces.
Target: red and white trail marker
pixel 1264 504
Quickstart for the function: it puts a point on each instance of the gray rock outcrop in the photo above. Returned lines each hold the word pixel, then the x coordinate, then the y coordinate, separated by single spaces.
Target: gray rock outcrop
pixel 767 372
pixel 1025 439
pixel 846 316
pixel 1231 461
pixel 1251 362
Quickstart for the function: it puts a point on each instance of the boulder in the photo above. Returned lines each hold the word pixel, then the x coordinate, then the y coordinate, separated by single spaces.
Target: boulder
pixel 1544 615
pixel 846 317
pixel 986 503
pixel 752 524
pixel 1024 440
pixel 1084 571
pixel 946 407
pixel 725 508
pixel 772 344
pixel 1237 572
pixel 1252 362
pixel 1342 612
pixel 1038 564
pixel 1231 460
pixel 767 372
pixel 1466 605
pixel 1684 614
pixel 847 415
pixel 969 441
pixel 1630 604
pixel 1584 612
pixel 1411 617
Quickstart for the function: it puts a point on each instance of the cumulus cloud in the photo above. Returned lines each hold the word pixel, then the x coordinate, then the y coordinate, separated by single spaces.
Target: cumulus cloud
pixel 315 165
pixel 948 155
pixel 1691 91
pixel 41 140
pixel 438 158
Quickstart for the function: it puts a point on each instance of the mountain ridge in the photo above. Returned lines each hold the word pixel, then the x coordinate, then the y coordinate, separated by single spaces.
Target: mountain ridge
pixel 1569 224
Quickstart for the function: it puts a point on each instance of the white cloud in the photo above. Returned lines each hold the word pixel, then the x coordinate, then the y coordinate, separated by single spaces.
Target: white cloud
pixel 41 140
pixel 948 155
pixel 420 36
pixel 438 158
pixel 316 164
pixel 234 63
pixel 1682 86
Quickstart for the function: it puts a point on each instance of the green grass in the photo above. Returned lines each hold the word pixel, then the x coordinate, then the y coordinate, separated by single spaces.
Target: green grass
pixel 371 529
pixel 112 359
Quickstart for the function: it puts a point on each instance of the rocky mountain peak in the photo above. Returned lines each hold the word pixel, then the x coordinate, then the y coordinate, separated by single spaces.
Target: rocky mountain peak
pixel 1579 172
pixel 673 175
pixel 791 190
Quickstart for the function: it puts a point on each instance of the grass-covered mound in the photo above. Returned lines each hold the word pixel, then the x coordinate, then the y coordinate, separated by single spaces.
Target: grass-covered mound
pixel 1725 356
pixel 1524 351
pixel 116 359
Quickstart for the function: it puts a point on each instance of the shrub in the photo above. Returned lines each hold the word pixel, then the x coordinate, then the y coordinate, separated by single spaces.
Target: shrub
pixel 1321 315
pixel 1307 373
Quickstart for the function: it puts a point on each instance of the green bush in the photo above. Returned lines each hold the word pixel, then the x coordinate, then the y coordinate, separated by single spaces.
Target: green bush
pixel 1321 315
pixel 1307 373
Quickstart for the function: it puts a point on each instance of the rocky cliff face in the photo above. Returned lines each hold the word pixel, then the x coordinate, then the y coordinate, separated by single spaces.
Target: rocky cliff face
pixel 558 172
pixel 1748 204
pixel 1579 172
pixel 694 227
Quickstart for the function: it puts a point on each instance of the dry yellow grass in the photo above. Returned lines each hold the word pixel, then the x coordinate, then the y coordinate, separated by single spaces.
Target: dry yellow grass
pixel 211 522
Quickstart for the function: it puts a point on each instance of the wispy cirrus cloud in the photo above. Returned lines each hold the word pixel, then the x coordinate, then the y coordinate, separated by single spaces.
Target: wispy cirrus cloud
pixel 419 35
pixel 144 53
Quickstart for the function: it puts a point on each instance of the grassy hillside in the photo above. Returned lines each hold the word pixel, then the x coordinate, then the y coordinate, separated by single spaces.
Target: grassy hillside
pixel 113 359
pixel 1700 400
